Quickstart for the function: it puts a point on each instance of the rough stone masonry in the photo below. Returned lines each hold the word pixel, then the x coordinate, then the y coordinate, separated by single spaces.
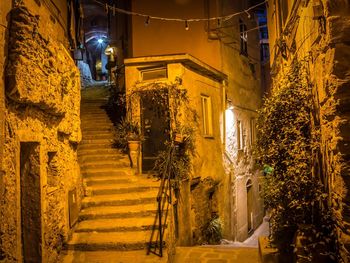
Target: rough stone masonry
pixel 42 109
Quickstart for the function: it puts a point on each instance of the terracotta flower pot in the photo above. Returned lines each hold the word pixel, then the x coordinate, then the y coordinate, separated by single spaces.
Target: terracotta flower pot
pixel 134 145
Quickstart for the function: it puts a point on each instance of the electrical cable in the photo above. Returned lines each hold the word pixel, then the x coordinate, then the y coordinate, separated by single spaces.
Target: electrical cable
pixel 221 18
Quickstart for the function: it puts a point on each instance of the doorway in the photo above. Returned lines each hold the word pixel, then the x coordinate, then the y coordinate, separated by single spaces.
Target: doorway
pixel 249 205
pixel 154 124
pixel 30 191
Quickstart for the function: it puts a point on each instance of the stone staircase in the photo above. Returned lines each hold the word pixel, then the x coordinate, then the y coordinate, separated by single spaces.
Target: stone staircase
pixel 119 207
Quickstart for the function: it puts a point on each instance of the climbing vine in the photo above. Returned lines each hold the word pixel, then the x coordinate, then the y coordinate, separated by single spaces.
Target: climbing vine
pixel 182 119
pixel 293 193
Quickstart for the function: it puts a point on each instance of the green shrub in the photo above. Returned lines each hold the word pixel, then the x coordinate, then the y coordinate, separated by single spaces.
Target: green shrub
pixel 212 231
pixel 286 146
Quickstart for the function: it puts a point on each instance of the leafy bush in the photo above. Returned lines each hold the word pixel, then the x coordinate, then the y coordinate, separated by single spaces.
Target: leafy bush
pixel 212 231
pixel 287 142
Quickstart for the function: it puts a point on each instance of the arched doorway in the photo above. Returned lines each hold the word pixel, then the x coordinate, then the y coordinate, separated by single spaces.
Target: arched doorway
pixel 249 205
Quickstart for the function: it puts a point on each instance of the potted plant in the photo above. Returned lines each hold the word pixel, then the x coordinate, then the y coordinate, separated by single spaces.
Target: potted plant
pixel 126 131
pixel 128 138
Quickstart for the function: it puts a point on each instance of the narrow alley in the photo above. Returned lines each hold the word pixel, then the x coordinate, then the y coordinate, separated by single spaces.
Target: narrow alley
pixel 180 131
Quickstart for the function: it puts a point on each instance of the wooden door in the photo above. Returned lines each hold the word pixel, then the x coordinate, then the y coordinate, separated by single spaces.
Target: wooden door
pixel 154 125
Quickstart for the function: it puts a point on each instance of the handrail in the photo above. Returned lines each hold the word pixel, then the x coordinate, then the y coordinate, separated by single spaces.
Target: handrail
pixel 164 200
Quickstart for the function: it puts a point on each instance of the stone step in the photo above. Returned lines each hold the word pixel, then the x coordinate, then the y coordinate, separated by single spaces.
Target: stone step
pixel 116 224
pixel 93 106
pixel 98 121
pixel 93 241
pixel 96 115
pixel 96 146
pixel 93 168
pixel 109 189
pixel 94 136
pixel 85 101
pixel 98 126
pixel 102 180
pixel 100 152
pixel 96 141
pixel 98 118
pixel 99 114
pixel 130 212
pixel 90 104
pixel 109 128
pixel 97 132
pixel 118 172
pixel 108 160
pixel 123 199
pixel 110 256
pixel 109 157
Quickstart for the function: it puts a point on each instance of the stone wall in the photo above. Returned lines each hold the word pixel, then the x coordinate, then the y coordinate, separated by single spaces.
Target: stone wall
pixel 321 42
pixel 42 106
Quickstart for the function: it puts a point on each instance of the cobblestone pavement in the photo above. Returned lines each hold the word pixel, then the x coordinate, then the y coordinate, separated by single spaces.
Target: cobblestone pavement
pixel 219 254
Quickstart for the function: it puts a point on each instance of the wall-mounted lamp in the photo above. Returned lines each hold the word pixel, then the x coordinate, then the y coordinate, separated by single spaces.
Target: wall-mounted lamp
pixel 229 105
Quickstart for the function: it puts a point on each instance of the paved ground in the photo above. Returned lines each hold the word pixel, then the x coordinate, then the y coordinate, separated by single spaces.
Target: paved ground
pixel 231 252
pixel 216 254
pixel 228 252
pixel 110 257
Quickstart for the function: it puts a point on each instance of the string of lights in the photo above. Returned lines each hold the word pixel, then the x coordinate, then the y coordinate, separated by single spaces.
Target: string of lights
pixel 219 19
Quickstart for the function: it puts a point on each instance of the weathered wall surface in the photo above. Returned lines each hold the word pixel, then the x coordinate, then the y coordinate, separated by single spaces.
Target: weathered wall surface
pixel 4 19
pixel 321 41
pixel 42 106
pixel 244 98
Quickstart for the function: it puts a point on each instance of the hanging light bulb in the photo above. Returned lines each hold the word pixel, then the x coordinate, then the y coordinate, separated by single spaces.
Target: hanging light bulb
pixel 219 22
pixel 148 19
pixel 248 14
pixel 187 27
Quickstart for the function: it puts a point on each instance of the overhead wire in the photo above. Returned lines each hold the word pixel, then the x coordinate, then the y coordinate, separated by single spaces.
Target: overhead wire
pixel 147 16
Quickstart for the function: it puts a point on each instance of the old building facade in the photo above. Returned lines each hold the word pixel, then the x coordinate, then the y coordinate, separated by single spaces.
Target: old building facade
pixel 225 176
pixel 40 129
pixel 316 34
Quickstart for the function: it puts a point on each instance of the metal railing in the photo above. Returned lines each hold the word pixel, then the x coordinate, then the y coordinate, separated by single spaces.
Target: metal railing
pixel 164 201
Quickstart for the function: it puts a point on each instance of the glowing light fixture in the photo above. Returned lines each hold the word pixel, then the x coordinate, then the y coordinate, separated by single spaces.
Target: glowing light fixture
pixel 187 27
pixel 100 40
pixel 147 21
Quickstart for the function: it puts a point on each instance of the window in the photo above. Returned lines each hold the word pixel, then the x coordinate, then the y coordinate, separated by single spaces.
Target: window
pixel 252 131
pixel 207 116
pixel 154 73
pixel 240 137
pixel 243 38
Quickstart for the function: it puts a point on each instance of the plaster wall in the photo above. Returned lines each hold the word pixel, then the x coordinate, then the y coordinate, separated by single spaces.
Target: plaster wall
pixel 166 38
pixel 42 106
